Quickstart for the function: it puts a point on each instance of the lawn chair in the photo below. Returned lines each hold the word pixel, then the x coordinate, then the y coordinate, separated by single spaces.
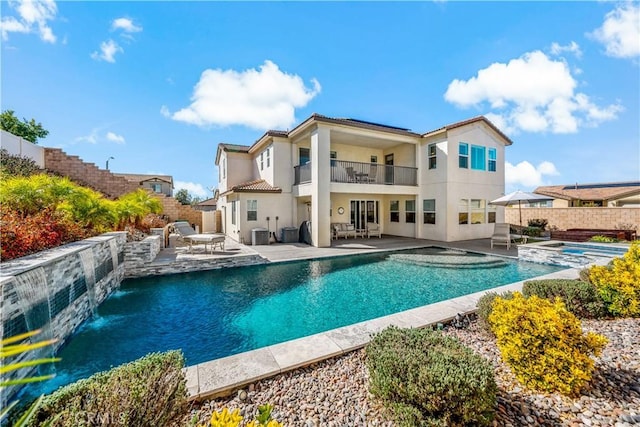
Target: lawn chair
pixel 501 235
pixel 188 236
pixel 373 229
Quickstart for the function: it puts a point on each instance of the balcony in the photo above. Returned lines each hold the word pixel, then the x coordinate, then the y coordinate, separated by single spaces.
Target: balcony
pixel 361 173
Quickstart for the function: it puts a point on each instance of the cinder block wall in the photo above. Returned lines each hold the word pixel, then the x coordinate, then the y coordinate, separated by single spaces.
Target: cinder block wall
pixel 112 186
pixel 565 218
pixel 86 174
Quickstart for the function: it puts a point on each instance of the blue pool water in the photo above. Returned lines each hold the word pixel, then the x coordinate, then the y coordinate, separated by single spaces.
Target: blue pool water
pixel 595 249
pixel 219 313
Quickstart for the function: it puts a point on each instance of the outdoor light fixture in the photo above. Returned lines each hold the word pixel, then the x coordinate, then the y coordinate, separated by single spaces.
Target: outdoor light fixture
pixel 110 158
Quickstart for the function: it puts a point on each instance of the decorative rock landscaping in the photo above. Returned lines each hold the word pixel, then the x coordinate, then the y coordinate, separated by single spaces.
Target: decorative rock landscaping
pixel 335 392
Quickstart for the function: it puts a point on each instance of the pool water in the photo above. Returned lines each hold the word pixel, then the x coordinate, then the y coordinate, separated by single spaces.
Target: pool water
pixel 218 313
pixel 595 249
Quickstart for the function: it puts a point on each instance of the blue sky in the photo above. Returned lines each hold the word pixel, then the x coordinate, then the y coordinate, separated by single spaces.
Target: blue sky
pixel 157 85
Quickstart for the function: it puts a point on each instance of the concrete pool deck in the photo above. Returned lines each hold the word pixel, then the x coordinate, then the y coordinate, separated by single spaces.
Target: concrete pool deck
pixel 222 376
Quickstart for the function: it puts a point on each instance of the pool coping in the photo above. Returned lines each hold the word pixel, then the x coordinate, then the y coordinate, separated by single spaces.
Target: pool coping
pixel 221 377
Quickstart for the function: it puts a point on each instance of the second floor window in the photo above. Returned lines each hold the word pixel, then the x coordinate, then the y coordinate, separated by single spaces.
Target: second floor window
pixel 493 157
pixel 394 211
pixel 463 155
pixel 268 157
pixel 157 188
pixel 431 153
pixel 224 168
pixel 410 211
pixel 478 158
pixel 304 156
pixel 262 161
pixel 252 210
pixel 333 155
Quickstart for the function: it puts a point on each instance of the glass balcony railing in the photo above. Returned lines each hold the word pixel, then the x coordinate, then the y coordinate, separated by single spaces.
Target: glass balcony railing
pixel 361 173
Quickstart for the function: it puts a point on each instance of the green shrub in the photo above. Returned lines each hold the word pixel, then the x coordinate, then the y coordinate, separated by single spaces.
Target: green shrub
pixel 543 344
pixel 540 223
pixel 619 283
pixel 12 165
pixel 532 231
pixel 580 298
pixel 484 308
pixel 150 391
pixel 603 239
pixel 426 378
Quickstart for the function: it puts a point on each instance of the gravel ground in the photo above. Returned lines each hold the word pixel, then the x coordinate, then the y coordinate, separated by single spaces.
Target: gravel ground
pixel 335 392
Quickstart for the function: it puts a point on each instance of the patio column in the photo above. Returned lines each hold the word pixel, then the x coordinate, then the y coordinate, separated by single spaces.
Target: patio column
pixel 320 188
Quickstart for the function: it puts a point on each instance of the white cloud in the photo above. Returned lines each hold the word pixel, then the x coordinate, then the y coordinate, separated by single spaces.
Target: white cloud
pixel 573 47
pixel 263 98
pixel 526 175
pixel 118 139
pixel 34 17
pixel 194 189
pixel 107 52
pixel 620 31
pixel 92 138
pixel 532 93
pixel 126 25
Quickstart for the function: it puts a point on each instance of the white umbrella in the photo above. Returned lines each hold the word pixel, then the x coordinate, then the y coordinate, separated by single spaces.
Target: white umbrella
pixel 519 197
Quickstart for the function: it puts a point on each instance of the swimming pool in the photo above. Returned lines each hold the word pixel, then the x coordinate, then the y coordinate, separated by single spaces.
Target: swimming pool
pixel 223 312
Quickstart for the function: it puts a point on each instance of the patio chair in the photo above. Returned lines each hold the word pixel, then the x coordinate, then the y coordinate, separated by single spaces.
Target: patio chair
pixel 351 174
pixel 501 235
pixel 189 236
pixel 373 171
pixel 373 229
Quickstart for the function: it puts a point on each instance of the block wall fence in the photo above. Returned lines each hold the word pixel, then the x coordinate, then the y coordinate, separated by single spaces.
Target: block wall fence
pixel 565 218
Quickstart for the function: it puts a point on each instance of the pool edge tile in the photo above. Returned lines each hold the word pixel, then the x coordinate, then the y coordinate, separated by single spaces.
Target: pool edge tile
pixel 304 351
pixel 221 376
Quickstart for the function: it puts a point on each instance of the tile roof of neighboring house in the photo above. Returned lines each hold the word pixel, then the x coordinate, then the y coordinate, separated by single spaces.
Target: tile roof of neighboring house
pixel 209 202
pixel 236 148
pixel 256 186
pixel 602 191
pixel 467 122
pixel 140 178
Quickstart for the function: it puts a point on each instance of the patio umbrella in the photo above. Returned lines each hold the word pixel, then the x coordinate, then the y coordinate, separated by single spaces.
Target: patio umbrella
pixel 517 197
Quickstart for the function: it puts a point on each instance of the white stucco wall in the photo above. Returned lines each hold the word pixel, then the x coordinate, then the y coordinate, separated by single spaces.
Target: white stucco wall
pixel 21 147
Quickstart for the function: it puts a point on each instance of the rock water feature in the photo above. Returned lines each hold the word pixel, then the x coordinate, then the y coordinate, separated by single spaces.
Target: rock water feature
pixel 56 291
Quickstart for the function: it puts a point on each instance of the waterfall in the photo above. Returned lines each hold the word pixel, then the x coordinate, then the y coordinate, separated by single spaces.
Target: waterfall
pixel 34 301
pixel 113 245
pixel 88 266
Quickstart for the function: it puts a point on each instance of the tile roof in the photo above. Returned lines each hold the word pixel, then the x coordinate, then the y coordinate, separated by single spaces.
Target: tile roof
pixel 237 148
pixel 139 177
pixel 602 191
pixel 209 202
pixel 256 186
pixel 469 121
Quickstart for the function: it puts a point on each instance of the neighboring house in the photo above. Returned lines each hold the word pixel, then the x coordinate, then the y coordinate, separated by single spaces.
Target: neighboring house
pixel 206 205
pixel 611 194
pixel 157 183
pixel 435 185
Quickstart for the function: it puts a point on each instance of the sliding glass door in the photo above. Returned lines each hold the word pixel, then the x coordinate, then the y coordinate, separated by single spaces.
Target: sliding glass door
pixel 364 211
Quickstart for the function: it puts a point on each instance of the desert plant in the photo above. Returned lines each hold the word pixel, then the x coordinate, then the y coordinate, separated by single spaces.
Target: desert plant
pixel 426 378
pixel 484 308
pixel 11 348
pixel 580 298
pixel 541 223
pixel 619 282
pixel 150 391
pixel 14 165
pixel 226 418
pixel 543 343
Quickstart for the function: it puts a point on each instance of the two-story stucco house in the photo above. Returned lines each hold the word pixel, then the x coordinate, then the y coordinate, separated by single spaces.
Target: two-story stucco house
pixel 434 185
